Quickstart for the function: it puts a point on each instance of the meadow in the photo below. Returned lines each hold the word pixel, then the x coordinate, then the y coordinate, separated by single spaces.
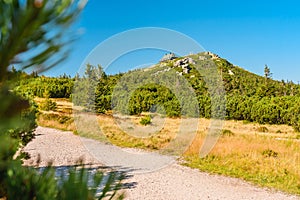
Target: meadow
pixel 266 155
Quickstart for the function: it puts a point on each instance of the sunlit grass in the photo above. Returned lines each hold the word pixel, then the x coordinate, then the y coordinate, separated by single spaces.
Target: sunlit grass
pixel 244 156
pixel 268 158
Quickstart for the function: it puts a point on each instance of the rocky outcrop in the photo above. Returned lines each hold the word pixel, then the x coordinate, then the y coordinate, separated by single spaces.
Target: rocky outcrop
pixel 184 61
pixel 212 55
pixel 168 56
pixel 184 64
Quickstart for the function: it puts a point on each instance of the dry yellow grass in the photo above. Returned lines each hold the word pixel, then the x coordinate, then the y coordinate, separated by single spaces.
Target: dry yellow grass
pixel 61 118
pixel 270 158
pixel 54 122
pixel 246 136
pixel 125 137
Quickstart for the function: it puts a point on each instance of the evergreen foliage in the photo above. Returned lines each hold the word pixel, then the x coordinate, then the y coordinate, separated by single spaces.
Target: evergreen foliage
pixel 248 96
pixel 32 35
pixel 45 87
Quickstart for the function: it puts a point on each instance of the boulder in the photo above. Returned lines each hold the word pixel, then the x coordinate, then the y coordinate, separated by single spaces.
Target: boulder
pixel 168 56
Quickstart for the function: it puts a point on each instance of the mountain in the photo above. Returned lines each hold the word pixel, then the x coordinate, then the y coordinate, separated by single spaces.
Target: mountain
pixel 201 85
pixel 159 88
pixel 236 80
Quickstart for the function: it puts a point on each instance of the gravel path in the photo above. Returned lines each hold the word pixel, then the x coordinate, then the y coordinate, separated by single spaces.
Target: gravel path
pixel 62 148
pixel 172 182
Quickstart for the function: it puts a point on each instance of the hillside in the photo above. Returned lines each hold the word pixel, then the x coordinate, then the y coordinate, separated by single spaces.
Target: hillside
pixel 162 87
pixel 174 85
pixel 236 80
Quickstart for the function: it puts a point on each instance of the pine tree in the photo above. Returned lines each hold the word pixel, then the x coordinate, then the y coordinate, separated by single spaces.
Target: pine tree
pixel 268 73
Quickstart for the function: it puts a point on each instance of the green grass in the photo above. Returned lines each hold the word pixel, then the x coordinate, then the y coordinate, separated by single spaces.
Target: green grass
pixel 248 170
pixel 262 160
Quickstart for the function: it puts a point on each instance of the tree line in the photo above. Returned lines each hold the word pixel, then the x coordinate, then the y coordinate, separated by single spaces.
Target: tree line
pixel 248 96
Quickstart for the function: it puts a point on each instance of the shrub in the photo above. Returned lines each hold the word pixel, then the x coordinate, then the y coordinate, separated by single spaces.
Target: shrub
pixel 48 105
pixel 145 120
pixel 226 132
pixel 17 118
pixel 47 87
pixel 294 115
pixel 262 129
pixel 270 153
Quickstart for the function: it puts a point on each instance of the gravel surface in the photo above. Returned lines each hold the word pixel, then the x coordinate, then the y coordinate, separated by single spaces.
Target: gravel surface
pixel 171 182
pixel 62 148
pixel 135 160
pixel 179 182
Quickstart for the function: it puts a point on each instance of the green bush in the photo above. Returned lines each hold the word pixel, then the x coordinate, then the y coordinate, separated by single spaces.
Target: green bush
pixel 146 120
pixel 17 118
pixel 46 87
pixel 294 114
pixel 48 105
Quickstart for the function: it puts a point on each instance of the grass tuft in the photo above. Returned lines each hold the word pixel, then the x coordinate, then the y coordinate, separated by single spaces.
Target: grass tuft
pixel 262 129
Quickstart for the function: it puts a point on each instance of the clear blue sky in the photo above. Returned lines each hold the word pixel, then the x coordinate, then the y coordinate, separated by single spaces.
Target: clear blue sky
pixel 249 34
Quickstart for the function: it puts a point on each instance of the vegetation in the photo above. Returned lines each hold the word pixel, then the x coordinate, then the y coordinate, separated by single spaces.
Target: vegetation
pixel 17 118
pixel 226 132
pixel 264 155
pixel 146 120
pixel 48 105
pixel 46 87
pixel 248 96
pixel 266 159
pixel 61 118
pixel 269 153
pixel 262 129
pixel 24 25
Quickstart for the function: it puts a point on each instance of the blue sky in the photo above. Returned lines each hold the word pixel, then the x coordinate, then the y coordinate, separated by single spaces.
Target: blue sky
pixel 249 34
